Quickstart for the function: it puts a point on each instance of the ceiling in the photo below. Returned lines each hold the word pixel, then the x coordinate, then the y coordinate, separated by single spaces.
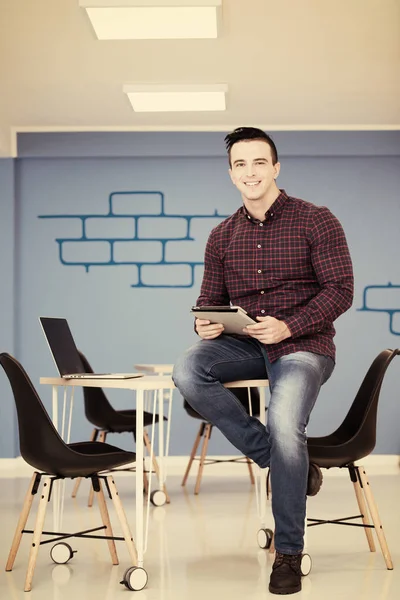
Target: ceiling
pixel 288 64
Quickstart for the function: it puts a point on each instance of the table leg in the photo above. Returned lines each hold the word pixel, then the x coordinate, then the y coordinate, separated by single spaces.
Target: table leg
pixel 139 478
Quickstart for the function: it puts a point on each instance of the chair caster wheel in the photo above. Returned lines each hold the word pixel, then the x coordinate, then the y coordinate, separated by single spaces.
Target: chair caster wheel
pixel 158 498
pixel 135 579
pixel 305 565
pixel 61 553
pixel 264 538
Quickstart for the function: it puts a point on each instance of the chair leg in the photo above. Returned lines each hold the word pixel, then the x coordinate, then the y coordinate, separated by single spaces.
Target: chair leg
pixel 93 438
pixel 272 546
pixel 122 519
pixel 26 508
pixel 147 443
pixel 193 453
pixel 207 435
pixel 252 480
pixel 37 533
pixel 365 517
pixel 106 521
pixel 375 517
pixel 102 439
pixel 145 480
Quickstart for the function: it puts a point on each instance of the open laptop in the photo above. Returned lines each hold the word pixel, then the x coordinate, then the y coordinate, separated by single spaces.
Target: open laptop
pixel 66 355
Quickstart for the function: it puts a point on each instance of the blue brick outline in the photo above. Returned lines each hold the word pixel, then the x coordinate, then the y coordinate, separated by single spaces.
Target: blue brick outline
pixel 391 311
pixel 136 218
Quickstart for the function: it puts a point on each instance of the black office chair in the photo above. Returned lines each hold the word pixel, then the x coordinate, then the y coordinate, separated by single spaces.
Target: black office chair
pixel 205 431
pixel 355 439
pixel 45 451
pixel 106 419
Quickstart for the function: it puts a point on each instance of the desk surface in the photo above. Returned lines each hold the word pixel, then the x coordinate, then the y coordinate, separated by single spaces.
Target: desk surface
pixel 147 382
pixel 155 368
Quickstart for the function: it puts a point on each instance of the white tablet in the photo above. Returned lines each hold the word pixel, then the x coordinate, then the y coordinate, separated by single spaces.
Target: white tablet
pixel 233 318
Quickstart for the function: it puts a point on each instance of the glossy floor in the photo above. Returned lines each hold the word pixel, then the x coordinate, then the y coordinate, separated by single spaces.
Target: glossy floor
pixel 204 547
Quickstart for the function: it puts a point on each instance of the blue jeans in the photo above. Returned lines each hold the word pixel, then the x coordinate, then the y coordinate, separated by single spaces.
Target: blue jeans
pixel 295 381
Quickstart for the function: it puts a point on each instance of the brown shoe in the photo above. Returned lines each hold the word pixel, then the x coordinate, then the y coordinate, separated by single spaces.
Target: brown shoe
pixel 286 574
pixel 314 481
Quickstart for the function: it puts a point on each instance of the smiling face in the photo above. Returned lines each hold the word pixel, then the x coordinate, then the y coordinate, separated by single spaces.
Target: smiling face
pixel 253 173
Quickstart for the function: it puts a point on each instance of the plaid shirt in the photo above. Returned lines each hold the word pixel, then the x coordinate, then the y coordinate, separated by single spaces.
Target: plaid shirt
pixel 294 266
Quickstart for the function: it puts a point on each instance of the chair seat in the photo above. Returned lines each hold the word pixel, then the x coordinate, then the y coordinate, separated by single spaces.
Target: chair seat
pixel 82 459
pixel 331 451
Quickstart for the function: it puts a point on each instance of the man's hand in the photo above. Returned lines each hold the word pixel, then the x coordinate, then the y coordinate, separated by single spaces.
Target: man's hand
pixel 207 330
pixel 268 331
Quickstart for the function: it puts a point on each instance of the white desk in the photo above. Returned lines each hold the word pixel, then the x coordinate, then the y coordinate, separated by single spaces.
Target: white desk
pixel 139 385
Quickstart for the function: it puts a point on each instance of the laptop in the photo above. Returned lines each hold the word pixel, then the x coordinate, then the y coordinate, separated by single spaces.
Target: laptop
pixel 66 355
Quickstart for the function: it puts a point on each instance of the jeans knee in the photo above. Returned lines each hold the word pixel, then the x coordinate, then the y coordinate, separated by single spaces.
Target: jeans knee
pixel 287 437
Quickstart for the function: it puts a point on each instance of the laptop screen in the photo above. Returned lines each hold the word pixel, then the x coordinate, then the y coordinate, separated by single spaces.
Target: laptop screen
pixel 62 345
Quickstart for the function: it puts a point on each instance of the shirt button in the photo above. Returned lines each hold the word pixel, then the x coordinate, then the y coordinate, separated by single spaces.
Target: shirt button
pixel 261 224
pixel 263 311
pixel 258 245
pixel 259 271
pixel 272 214
pixel 262 291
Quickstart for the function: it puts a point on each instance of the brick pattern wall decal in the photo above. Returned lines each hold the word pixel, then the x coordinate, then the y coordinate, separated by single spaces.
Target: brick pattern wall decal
pixel 137 231
pixel 384 298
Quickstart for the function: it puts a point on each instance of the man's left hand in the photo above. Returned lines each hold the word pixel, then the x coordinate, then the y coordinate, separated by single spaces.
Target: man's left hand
pixel 269 330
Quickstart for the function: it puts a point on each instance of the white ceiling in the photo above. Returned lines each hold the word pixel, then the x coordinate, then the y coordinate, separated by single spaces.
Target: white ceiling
pixel 294 64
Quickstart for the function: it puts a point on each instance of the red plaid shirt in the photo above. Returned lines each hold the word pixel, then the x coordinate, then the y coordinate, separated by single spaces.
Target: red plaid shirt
pixel 294 266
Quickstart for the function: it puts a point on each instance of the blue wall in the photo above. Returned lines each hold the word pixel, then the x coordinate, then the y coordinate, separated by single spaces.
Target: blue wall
pixel 8 442
pixel 125 278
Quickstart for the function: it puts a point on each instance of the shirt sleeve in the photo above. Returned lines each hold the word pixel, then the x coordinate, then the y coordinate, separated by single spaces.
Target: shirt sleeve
pixel 213 291
pixel 332 265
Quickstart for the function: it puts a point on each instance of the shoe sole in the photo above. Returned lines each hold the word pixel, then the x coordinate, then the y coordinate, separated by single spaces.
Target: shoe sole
pixel 285 591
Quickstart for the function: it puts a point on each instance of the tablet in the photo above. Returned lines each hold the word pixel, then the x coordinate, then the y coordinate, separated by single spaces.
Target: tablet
pixel 233 318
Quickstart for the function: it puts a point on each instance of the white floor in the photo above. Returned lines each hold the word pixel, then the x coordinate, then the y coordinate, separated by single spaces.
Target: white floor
pixel 204 547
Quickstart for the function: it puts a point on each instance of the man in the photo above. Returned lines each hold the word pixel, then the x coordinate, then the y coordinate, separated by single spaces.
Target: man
pixel 286 262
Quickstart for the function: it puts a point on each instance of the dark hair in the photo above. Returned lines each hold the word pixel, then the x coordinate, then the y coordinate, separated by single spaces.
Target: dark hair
pixel 241 134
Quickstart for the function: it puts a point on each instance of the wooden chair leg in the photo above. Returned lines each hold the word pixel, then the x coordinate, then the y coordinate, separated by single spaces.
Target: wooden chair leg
pixel 272 546
pixel 145 480
pixel 252 480
pixel 207 435
pixel 156 468
pixel 123 521
pixel 364 512
pixel 37 532
pixel 193 453
pixel 93 438
pixel 23 517
pixel 102 439
pixel 105 517
pixel 375 517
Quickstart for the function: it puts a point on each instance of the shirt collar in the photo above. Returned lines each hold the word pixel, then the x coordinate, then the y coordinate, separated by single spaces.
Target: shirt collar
pixel 275 208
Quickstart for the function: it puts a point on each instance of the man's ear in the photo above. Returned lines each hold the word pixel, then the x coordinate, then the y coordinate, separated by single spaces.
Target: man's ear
pixel 277 167
pixel 231 176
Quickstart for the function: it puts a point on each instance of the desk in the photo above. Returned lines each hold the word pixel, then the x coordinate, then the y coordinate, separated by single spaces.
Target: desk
pixel 148 383
pixel 139 385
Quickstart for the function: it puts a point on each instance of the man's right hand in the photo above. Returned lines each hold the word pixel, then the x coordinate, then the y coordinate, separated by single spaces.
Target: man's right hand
pixel 207 330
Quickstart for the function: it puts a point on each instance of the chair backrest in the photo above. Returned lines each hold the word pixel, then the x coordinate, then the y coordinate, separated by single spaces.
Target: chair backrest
pixel 98 409
pixel 360 422
pixel 40 444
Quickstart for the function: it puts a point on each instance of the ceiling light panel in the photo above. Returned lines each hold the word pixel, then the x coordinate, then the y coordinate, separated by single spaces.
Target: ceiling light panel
pixel 153 19
pixel 178 98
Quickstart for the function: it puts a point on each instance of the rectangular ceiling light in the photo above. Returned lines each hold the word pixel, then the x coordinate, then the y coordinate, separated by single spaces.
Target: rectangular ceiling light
pixel 153 19
pixel 176 98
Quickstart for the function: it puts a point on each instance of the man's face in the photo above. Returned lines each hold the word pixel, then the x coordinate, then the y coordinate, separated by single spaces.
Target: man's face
pixel 252 171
